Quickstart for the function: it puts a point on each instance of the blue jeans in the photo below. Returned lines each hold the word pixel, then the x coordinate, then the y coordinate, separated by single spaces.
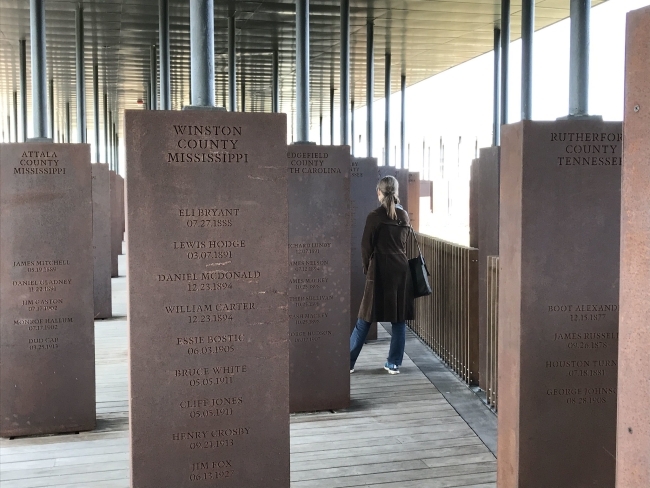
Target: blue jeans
pixel 397 342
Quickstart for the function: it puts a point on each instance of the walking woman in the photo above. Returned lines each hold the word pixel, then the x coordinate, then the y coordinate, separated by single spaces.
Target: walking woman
pixel 388 294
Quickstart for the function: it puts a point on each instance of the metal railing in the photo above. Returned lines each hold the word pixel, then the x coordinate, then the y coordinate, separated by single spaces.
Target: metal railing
pixel 447 320
pixel 492 356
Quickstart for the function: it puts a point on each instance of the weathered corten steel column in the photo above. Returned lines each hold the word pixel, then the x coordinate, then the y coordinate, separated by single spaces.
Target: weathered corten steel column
pixel 579 58
pixel 153 96
pixel 109 141
pixel 23 87
pixel 387 118
pixel 403 123
pixel 202 52
pixel 302 70
pixel 332 115
pixel 15 116
pixel 232 65
pixel 96 112
pixel 68 123
pixel 352 128
pixel 51 108
pixel 275 100
pixel 370 82
pixel 496 98
pixel 39 67
pixel 105 127
pixel 527 33
pixel 81 77
pixel 344 84
pixel 505 54
pixel 165 56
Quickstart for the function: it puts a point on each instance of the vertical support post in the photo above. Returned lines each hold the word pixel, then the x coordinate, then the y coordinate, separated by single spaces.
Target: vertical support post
pixel 579 58
pixel 23 87
pixel 109 142
pixel 496 98
pixel 332 115
pixel 403 122
pixel 152 78
pixel 505 53
pixel 344 84
pixel 105 127
pixel 96 111
pixel 15 116
pixel 39 67
pixel 68 123
pixel 321 131
pixel 302 70
pixel 202 52
pixel 232 65
pixel 243 92
pixel 387 121
pixel 165 55
pixel 81 78
pixel 370 81
pixel 51 108
pixel 117 153
pixel 527 33
pixel 352 136
pixel 275 101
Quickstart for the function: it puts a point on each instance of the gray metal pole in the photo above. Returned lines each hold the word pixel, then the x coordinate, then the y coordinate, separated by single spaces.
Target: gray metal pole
pixel 202 52
pixel 332 115
pixel 496 98
pixel 23 87
pixel 105 127
pixel 579 59
pixel 153 77
pixel 232 65
pixel 243 92
pixel 321 130
pixel 68 123
pixel 39 67
pixel 117 153
pixel 164 55
pixel 96 111
pixel 505 51
pixel 370 82
pixel 109 144
pixel 51 109
pixel 15 116
pixel 345 71
pixel 527 33
pixel 387 120
pixel 403 122
pixel 302 70
pixel 275 101
pixel 352 128
pixel 81 79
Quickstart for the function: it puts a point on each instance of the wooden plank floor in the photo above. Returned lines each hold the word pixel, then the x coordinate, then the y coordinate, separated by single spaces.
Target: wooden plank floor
pixel 399 431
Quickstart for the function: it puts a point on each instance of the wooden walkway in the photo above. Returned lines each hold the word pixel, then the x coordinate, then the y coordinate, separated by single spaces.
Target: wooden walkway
pixel 399 431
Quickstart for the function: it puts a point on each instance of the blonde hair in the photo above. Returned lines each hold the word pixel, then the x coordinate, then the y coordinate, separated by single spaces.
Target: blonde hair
pixel 389 189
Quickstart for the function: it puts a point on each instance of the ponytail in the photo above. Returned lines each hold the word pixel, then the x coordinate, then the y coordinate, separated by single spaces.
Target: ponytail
pixel 389 187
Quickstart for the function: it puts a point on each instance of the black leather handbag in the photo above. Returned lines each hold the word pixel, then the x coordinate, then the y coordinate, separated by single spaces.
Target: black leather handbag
pixel 419 273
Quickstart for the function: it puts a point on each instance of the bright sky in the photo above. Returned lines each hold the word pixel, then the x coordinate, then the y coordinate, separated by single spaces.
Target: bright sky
pixel 458 102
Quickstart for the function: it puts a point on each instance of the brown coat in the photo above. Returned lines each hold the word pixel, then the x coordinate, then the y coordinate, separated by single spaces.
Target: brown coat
pixel 388 295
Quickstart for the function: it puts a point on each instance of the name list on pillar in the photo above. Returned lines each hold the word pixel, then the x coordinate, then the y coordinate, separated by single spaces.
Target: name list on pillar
pixel 208 272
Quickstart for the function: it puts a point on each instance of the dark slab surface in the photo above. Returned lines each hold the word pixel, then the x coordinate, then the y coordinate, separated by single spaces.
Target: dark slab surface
pixel 116 240
pixel 363 193
pixel 208 274
pixel 414 200
pixel 558 303
pixel 102 240
pixel 319 283
pixel 633 440
pixel 47 351
pixel 473 203
pixel 488 239
pixel 121 212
